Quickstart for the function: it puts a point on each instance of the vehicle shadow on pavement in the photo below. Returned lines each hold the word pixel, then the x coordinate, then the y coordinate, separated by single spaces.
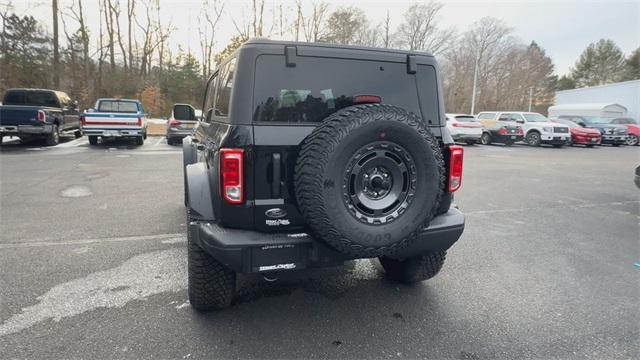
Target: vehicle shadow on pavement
pixel 16 144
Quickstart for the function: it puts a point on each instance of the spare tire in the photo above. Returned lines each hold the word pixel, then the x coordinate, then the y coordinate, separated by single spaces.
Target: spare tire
pixel 368 179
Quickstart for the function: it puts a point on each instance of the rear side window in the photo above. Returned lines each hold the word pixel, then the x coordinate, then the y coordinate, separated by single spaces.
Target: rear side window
pixel 118 106
pixel 223 89
pixel 463 118
pixel 318 87
pixel 14 98
pixel 31 98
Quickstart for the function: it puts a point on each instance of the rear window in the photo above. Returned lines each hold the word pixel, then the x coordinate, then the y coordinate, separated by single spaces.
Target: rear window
pixel 318 87
pixel 183 112
pixel 465 118
pixel 31 98
pixel 118 106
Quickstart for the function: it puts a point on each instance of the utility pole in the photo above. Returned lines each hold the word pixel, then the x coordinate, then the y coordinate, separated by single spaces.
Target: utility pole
pixel 56 54
pixel 475 81
pixel 530 97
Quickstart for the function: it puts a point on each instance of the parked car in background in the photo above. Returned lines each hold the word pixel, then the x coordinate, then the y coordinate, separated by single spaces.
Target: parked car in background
pixel 538 129
pixel 579 135
pixel 633 136
pixel 502 130
pixel 612 134
pixel 464 128
pixel 182 123
pixel 115 118
pixel 38 113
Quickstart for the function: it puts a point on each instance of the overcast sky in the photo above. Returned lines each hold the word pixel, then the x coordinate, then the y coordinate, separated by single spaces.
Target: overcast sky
pixel 562 28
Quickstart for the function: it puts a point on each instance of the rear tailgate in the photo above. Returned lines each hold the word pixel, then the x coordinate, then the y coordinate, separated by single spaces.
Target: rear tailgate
pixel 14 115
pixel 102 120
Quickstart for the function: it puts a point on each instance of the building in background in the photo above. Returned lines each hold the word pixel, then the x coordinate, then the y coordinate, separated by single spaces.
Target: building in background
pixel 625 93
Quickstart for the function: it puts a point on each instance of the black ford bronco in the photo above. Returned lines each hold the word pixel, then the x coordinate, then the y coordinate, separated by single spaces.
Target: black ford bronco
pixel 311 155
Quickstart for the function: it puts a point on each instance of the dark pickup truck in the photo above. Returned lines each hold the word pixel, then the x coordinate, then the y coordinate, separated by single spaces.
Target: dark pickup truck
pixel 38 113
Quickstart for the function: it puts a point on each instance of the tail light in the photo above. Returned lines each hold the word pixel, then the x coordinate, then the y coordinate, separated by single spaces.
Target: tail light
pixel 139 121
pixel 42 116
pixel 503 131
pixel 456 125
pixel 520 131
pixel 174 122
pixel 455 167
pixel 83 120
pixel 367 99
pixel 232 175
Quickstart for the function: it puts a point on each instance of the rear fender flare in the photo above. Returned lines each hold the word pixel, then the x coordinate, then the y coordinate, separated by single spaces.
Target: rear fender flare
pixel 198 191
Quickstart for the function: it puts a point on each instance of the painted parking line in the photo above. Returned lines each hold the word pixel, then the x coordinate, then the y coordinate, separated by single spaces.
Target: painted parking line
pixel 73 143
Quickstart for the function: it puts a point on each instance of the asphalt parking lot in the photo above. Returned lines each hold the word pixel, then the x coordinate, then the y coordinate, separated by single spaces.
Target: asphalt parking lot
pixel 93 265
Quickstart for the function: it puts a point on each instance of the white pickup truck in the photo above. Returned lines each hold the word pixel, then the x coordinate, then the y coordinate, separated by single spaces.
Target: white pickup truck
pixel 537 128
pixel 115 118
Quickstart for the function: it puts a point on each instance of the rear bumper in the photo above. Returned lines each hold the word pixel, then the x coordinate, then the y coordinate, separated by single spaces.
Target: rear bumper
pixel 459 136
pixel 174 133
pixel 250 251
pixel 25 129
pixel 126 132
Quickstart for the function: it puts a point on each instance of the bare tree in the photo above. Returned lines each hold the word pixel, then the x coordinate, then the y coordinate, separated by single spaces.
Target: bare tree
pixel 387 31
pixel 108 20
pixel 131 6
pixel 420 30
pixel 114 8
pixel 254 26
pixel 207 28
pixel 78 16
pixel 56 53
pixel 344 25
pixel 312 25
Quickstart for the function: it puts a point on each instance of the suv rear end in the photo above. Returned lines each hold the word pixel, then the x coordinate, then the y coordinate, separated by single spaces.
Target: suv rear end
pixel 243 168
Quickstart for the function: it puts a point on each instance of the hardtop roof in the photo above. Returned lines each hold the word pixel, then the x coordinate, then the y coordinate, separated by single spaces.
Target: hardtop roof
pixel 265 41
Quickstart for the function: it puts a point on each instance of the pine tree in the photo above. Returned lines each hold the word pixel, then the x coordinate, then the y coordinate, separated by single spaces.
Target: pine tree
pixel 600 63
pixel 632 66
pixel 565 83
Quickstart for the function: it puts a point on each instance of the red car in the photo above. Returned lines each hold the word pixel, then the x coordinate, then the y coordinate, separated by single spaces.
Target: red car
pixel 580 135
pixel 634 129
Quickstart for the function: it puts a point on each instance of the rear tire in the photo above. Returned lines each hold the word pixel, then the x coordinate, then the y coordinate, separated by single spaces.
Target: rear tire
pixel 140 140
pixel 212 286
pixel 590 145
pixel 414 269
pixel 78 133
pixel 53 138
pixel 632 140
pixel 93 140
pixel 485 139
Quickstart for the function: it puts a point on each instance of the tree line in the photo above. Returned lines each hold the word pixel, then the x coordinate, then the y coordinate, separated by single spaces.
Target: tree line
pixel 130 56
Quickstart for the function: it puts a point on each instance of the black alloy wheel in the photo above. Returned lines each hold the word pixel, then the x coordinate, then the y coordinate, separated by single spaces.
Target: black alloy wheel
pixel 379 182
